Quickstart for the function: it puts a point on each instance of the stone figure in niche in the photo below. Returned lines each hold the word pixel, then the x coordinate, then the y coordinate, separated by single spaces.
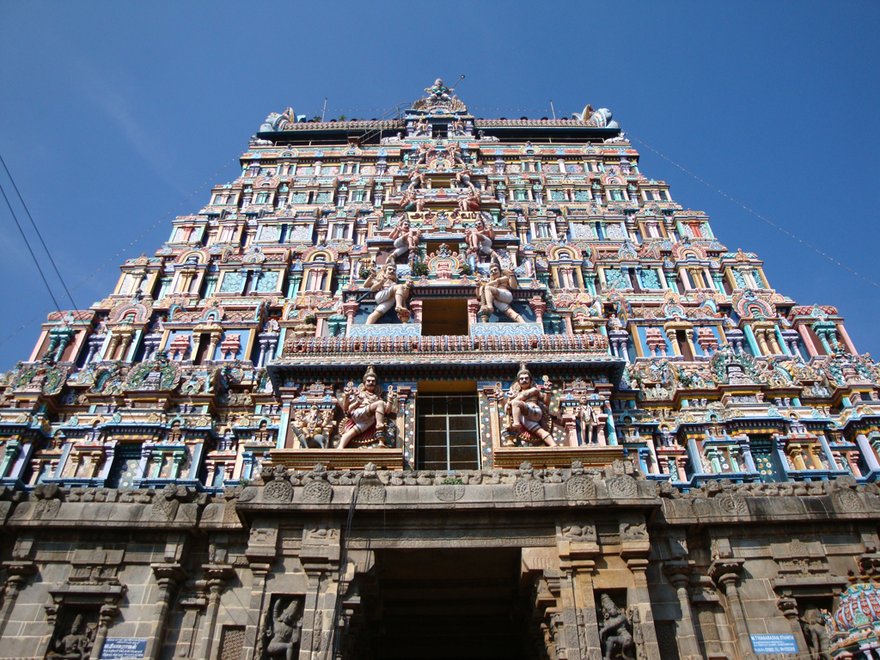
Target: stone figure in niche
pixel 816 634
pixel 313 425
pixel 283 631
pixel 463 179
pixel 479 238
pixel 389 292
pixel 614 635
pixel 76 644
pixel 406 240
pixel 495 294
pixel 365 410
pixel 528 409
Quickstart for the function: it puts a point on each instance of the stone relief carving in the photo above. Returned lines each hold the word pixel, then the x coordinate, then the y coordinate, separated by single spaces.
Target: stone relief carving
pixel 283 629
pixel 615 632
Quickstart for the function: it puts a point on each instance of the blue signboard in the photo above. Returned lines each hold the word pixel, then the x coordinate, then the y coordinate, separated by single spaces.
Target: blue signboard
pixel 123 648
pixel 774 644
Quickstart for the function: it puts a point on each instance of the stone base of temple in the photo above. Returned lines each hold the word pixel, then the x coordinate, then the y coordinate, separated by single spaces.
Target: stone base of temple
pixel 544 457
pixel 338 459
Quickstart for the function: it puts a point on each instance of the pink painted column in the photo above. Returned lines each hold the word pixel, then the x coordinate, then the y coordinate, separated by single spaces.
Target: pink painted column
pixel 808 341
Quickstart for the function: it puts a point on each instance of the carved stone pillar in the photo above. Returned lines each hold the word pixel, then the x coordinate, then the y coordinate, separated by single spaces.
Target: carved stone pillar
pixel 260 553
pixel 17 574
pixel 578 636
pixel 168 577
pixel 789 608
pixel 216 577
pixel 726 574
pixel 107 613
pixel 678 572
pixel 320 557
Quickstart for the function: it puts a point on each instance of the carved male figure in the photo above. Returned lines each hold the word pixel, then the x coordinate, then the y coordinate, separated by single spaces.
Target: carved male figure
pixel 364 408
pixel 390 293
pixel 496 294
pixel 527 405
pixel 406 239
pixel 479 238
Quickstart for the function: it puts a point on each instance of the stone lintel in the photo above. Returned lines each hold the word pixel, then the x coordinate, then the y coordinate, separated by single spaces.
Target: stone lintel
pixel 559 457
pixel 338 459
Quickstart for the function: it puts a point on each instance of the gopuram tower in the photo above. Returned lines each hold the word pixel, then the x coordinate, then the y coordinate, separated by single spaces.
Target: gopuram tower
pixel 441 387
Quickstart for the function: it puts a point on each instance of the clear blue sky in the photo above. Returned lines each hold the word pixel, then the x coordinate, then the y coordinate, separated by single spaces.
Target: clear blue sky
pixel 118 116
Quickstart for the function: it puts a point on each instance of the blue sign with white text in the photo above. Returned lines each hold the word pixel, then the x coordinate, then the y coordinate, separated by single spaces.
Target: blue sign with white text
pixel 123 648
pixel 774 644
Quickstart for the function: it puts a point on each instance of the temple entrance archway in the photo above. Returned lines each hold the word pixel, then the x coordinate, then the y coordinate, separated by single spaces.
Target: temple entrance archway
pixel 444 603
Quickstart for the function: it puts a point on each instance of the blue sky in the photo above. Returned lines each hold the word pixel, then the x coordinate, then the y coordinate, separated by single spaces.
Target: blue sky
pixel 118 116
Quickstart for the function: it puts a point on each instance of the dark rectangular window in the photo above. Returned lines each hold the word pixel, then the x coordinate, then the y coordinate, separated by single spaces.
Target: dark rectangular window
pixel 447 434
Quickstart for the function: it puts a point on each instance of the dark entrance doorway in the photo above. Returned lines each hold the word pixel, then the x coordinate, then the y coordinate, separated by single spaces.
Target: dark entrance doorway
pixel 444 603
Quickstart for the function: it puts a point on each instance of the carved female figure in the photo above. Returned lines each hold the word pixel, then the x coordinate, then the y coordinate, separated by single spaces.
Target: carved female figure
pixel 283 632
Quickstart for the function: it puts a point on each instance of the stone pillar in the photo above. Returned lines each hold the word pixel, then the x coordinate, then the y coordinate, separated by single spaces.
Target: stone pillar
pixel 678 572
pixel 577 547
pixel 216 577
pixel 726 574
pixel 789 608
pixel 260 553
pixel 320 557
pixel 17 574
pixel 635 549
pixel 106 615
pixel 168 577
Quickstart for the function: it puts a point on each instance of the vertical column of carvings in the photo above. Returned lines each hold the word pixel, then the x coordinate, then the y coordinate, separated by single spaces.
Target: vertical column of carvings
pixel 216 578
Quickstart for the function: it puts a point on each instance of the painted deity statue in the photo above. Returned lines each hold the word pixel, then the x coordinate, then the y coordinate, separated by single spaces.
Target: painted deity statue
pixel 406 240
pixel 364 410
pixel 615 636
pixel 283 631
pixel 528 409
pixel 479 238
pixel 496 294
pixel 389 293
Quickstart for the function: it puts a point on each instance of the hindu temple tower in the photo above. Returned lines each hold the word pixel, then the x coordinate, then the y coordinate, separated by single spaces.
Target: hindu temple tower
pixel 441 386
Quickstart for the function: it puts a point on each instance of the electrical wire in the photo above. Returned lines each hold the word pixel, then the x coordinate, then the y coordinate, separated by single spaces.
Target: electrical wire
pixel 782 230
pixel 37 232
pixel 30 249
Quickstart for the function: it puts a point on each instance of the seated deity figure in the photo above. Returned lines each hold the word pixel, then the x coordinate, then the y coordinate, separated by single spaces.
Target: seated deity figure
pixel 283 632
pixel 364 409
pixel 76 644
pixel 527 406
pixel 390 293
pixel 479 238
pixel 495 294
pixel 406 240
